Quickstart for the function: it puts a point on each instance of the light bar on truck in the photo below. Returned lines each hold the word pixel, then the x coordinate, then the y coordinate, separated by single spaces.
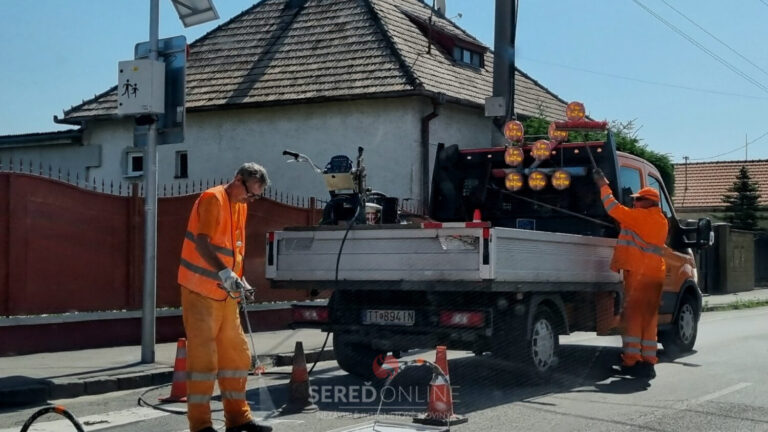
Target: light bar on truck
pixel 556 134
pixel 561 179
pixel 537 180
pixel 450 318
pixel 514 181
pixel 513 131
pixel 541 149
pixel 513 156
pixel 575 111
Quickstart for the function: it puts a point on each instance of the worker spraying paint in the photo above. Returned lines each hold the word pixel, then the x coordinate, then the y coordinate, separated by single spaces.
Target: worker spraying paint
pixel 210 275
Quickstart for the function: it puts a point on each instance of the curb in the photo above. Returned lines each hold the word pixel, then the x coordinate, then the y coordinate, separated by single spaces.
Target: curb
pixel 29 391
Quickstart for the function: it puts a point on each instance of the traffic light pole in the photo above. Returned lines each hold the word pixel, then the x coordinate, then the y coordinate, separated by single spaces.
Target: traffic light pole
pixel 149 297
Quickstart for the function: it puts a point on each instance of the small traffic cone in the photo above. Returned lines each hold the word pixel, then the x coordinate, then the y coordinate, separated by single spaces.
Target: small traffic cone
pixel 476 217
pixel 179 385
pixel 298 387
pixel 440 406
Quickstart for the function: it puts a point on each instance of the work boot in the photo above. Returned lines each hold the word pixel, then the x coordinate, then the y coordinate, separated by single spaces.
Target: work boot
pixel 636 370
pixel 647 370
pixel 251 426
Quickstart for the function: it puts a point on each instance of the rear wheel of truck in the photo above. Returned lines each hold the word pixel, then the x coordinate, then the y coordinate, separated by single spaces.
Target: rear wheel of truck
pixel 542 345
pixel 355 358
pixel 681 338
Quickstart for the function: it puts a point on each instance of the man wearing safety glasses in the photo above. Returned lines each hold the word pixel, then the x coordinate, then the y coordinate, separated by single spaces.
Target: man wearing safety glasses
pixel 639 252
pixel 211 266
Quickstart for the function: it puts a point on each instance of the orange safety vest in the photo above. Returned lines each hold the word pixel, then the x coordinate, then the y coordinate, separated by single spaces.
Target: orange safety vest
pixel 194 272
pixel 640 246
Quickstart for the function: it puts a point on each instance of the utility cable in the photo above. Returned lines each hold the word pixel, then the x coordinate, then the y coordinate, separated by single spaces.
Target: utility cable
pixel 733 150
pixel 702 47
pixel 640 80
pixel 715 37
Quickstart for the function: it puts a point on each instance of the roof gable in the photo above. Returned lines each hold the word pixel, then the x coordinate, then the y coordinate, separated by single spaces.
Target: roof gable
pixel 294 51
pixel 704 184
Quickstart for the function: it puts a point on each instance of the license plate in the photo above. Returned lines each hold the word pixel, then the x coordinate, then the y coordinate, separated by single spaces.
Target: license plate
pixel 389 317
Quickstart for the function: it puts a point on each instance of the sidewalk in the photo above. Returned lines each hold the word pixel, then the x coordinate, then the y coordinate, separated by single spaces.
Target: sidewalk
pixel 36 378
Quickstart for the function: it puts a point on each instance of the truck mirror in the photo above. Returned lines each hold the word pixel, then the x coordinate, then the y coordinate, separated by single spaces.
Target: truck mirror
pixel 704 235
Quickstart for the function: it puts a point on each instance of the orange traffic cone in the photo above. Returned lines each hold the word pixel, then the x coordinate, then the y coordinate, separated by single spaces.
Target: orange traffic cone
pixel 179 385
pixel 298 387
pixel 440 406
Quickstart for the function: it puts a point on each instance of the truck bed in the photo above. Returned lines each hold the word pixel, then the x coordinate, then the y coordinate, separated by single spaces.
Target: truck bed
pixel 446 256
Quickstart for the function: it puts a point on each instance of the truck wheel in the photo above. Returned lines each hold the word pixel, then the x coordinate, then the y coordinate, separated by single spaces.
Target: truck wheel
pixel 682 336
pixel 543 345
pixel 355 358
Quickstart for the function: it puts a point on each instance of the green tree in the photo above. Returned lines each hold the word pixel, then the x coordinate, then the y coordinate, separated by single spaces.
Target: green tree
pixel 625 135
pixel 742 208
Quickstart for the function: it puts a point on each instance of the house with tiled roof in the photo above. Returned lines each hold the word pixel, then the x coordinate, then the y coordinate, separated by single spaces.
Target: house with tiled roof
pixel 700 186
pixel 320 77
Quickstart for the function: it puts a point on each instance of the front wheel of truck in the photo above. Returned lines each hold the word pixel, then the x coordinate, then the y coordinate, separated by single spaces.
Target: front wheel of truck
pixel 681 338
pixel 355 358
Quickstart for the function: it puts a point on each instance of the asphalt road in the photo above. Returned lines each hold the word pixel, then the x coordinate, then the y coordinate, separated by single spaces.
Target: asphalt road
pixel 719 387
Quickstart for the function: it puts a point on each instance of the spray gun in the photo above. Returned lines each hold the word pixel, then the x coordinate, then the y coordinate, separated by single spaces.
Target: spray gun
pixel 243 292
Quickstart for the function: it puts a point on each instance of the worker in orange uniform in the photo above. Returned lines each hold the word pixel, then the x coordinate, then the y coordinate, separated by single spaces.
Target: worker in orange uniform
pixel 211 265
pixel 639 252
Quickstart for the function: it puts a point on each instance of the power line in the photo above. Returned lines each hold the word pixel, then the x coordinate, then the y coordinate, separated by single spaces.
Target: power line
pixel 640 80
pixel 702 47
pixel 732 151
pixel 715 37
pixel 764 2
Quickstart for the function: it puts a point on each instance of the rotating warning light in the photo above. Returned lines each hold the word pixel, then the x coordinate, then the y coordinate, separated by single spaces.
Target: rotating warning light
pixel 575 111
pixel 513 156
pixel 513 181
pixel 561 179
pixel 537 180
pixel 541 150
pixel 513 131
pixel 557 135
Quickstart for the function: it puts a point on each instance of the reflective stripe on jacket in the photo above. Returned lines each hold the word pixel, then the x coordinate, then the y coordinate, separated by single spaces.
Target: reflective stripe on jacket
pixel 194 272
pixel 640 246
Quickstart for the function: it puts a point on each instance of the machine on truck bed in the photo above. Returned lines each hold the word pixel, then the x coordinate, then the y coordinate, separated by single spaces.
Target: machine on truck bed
pixel 534 267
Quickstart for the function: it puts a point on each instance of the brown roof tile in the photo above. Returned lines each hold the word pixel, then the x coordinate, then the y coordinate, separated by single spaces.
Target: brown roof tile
pixel 704 184
pixel 329 49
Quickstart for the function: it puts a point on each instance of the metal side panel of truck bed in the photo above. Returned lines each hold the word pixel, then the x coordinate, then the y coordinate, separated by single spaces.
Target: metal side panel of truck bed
pixel 495 258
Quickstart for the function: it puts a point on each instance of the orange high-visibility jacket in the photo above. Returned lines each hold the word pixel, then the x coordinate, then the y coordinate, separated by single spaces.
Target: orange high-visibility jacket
pixel 194 272
pixel 640 246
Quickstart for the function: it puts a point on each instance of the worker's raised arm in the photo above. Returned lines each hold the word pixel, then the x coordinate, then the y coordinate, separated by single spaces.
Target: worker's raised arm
pixel 611 205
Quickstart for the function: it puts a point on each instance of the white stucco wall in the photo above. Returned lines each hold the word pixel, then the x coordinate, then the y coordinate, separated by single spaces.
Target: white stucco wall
pixel 217 142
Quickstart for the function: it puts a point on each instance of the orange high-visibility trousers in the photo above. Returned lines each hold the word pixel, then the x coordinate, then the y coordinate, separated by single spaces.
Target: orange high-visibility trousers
pixel 216 349
pixel 641 317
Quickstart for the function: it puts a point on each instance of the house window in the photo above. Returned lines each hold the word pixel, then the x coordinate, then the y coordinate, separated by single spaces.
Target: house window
pixel 134 163
pixel 181 165
pixel 467 56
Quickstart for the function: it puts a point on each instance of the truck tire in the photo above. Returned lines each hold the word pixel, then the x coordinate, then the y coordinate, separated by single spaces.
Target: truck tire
pixel 681 338
pixel 542 345
pixel 355 358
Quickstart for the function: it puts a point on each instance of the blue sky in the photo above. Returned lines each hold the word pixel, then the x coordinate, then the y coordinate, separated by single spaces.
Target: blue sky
pixel 614 56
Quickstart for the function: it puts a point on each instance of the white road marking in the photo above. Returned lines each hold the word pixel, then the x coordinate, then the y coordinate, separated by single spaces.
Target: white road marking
pixel 722 392
pixel 95 422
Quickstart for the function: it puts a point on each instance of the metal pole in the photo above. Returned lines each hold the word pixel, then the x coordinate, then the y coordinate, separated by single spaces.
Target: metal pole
pixel 149 299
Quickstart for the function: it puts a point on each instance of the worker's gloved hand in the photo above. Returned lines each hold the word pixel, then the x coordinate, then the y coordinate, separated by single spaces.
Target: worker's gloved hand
pixel 250 292
pixel 599 177
pixel 229 280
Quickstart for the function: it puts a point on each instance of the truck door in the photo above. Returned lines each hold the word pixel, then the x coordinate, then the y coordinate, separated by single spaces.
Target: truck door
pixel 679 266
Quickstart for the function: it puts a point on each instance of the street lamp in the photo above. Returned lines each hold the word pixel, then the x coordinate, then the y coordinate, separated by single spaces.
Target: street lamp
pixel 191 12
pixel 194 12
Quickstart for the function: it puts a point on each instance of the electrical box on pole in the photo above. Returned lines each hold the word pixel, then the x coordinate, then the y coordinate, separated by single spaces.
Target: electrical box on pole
pixel 141 87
